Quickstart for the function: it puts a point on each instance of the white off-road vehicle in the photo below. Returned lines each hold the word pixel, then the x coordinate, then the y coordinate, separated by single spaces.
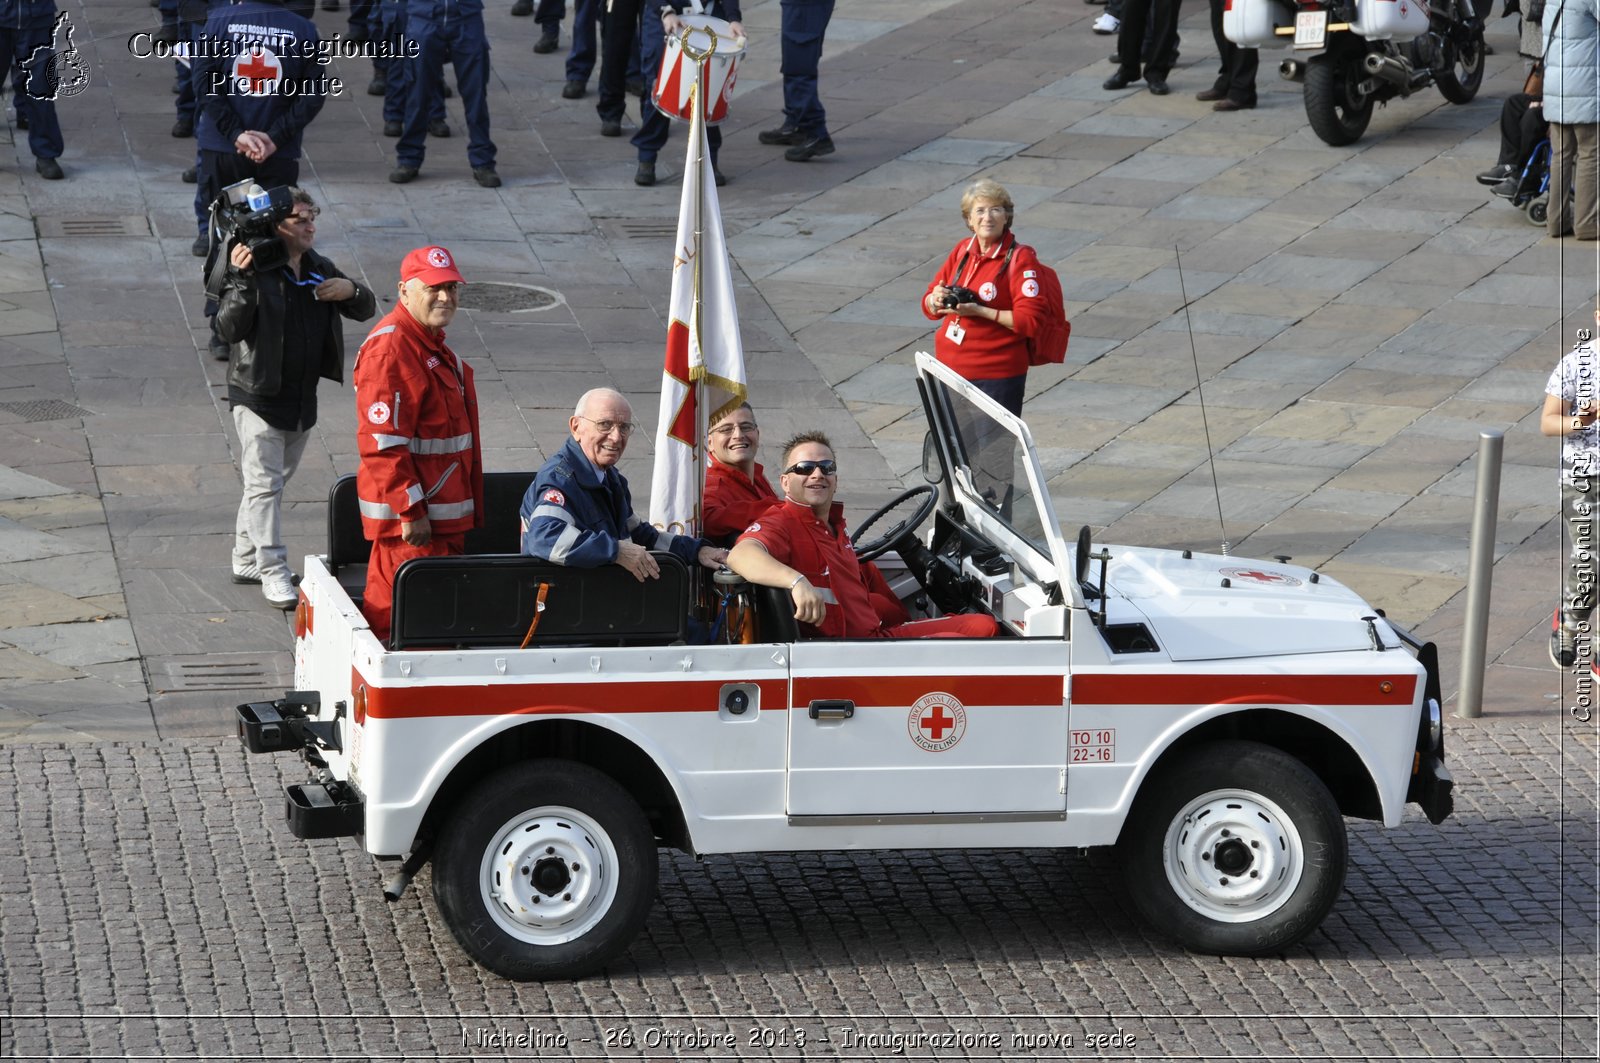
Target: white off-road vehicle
pixel 1214 718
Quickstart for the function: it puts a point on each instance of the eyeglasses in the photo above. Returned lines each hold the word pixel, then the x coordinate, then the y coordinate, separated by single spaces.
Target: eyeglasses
pixel 606 427
pixel 806 468
pixel 313 280
pixel 306 216
pixel 727 429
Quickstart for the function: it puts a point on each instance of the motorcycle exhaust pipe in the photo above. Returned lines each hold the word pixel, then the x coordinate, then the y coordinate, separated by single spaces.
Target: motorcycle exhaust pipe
pixel 1387 68
pixel 1292 70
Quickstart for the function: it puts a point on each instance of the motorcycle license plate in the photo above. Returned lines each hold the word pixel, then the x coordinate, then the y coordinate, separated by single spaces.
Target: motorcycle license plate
pixel 1310 29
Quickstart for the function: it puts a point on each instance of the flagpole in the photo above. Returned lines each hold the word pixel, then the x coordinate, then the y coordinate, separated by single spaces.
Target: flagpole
pixel 696 382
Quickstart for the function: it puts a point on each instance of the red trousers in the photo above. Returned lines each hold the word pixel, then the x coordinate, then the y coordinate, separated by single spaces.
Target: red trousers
pixel 388 554
pixel 956 626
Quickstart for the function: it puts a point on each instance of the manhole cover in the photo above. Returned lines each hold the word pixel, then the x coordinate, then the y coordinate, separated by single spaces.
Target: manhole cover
pixel 496 298
pixel 94 225
pixel 218 671
pixel 44 410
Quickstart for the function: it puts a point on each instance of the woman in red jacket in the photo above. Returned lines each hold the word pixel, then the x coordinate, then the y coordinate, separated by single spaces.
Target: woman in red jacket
pixel 987 298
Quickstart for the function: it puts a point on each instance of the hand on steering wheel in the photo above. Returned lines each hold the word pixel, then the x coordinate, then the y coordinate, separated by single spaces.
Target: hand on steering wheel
pixel 879 546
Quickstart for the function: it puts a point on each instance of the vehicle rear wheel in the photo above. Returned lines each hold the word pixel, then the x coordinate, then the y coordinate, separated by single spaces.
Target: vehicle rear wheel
pixel 545 870
pixel 1459 81
pixel 1335 106
pixel 1236 849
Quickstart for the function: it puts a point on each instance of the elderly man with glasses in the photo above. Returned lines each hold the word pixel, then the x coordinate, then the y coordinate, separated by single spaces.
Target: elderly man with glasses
pixel 578 511
pixel 801 545
pixel 283 334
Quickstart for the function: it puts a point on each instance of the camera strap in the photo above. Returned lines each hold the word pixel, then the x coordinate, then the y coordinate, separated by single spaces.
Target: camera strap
pixel 961 267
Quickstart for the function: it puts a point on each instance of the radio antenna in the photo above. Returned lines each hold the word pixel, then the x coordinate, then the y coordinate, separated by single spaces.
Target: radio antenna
pixel 1199 390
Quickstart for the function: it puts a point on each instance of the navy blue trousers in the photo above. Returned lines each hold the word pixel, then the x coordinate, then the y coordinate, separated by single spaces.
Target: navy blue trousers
pixel 465 44
pixel 804 24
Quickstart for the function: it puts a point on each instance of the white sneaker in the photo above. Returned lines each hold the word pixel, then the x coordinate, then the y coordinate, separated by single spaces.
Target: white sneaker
pixel 279 590
pixel 246 573
pixel 1107 24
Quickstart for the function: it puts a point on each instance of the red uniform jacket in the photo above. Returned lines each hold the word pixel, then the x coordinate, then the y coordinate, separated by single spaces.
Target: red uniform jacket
pixel 417 432
pixel 733 500
pixel 822 551
pixel 988 350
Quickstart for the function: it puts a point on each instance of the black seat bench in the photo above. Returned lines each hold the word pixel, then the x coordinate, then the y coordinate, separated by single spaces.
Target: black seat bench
pixel 488 600
pixel 348 548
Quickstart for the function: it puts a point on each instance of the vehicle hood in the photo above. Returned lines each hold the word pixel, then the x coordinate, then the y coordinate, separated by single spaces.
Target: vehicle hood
pixel 1266 610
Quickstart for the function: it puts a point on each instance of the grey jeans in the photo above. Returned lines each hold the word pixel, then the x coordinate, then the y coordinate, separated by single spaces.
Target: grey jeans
pixel 267 458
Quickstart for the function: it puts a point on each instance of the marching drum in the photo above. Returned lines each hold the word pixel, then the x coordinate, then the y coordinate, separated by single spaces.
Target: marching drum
pixel 673 94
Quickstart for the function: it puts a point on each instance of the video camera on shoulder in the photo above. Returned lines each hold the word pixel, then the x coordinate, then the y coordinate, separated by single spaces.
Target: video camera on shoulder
pixel 249 214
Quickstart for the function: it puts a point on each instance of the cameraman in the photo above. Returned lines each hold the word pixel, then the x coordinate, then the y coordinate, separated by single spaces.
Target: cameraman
pixel 283 333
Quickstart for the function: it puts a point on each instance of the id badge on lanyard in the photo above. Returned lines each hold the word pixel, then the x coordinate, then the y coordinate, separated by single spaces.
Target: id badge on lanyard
pixel 954 332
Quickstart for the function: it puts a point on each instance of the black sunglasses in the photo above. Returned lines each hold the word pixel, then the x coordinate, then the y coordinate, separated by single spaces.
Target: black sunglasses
pixel 806 468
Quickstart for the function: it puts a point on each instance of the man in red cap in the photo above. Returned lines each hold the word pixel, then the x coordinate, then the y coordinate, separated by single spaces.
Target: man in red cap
pixel 420 482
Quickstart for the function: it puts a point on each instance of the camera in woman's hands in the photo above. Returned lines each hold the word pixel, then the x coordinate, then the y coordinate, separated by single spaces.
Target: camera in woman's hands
pixel 955 295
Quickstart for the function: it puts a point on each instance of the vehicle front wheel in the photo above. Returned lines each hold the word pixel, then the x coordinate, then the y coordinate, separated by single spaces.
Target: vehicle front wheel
pixel 547 869
pixel 1335 105
pixel 1236 849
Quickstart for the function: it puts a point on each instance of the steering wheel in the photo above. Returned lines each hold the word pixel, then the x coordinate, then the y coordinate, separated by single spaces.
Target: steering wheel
pixel 880 545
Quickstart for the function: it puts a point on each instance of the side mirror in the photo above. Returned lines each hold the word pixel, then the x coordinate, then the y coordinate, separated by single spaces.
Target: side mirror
pixel 932 467
pixel 1081 560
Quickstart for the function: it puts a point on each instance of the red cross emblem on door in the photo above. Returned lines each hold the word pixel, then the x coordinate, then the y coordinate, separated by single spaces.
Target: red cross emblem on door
pixel 937 722
pixel 256 74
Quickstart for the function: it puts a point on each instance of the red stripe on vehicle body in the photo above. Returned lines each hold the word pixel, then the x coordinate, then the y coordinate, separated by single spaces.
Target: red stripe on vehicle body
pixel 1102 689
pixel 888 690
pixel 415 700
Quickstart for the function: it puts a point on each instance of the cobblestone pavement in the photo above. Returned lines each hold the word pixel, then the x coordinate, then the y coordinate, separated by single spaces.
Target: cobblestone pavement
pixel 153 906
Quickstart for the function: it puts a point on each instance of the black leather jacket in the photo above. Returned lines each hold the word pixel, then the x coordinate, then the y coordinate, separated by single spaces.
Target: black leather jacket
pixel 250 318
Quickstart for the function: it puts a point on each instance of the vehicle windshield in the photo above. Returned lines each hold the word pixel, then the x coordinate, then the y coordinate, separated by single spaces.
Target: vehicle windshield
pixel 992 465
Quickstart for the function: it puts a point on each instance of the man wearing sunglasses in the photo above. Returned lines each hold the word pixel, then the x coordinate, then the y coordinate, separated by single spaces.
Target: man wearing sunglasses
pixel 801 545
pixel 578 511
pixel 283 334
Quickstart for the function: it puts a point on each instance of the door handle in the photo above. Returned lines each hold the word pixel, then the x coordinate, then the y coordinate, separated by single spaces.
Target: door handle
pixel 830 709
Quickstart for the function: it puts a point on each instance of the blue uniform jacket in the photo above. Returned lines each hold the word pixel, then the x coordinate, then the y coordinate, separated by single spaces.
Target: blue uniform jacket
pixel 443 10
pixel 301 88
pixel 27 14
pixel 573 516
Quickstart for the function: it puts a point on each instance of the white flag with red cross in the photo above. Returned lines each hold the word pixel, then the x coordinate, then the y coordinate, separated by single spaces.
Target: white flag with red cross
pixel 704 374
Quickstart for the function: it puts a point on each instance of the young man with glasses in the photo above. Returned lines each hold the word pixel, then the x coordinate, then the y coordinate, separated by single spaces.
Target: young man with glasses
pixel 737 491
pixel 283 334
pixel 579 512
pixel 802 546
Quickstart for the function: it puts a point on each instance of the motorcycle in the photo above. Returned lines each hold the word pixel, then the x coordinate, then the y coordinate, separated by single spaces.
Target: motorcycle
pixel 1351 54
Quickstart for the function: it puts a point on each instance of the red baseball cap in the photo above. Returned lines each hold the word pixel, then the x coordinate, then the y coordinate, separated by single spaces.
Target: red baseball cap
pixel 430 265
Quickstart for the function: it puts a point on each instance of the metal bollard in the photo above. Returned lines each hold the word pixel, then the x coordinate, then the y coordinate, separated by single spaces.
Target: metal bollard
pixel 1480 573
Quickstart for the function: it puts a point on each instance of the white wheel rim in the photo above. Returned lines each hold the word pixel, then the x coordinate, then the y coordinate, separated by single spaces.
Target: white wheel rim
pixel 1233 856
pixel 549 876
